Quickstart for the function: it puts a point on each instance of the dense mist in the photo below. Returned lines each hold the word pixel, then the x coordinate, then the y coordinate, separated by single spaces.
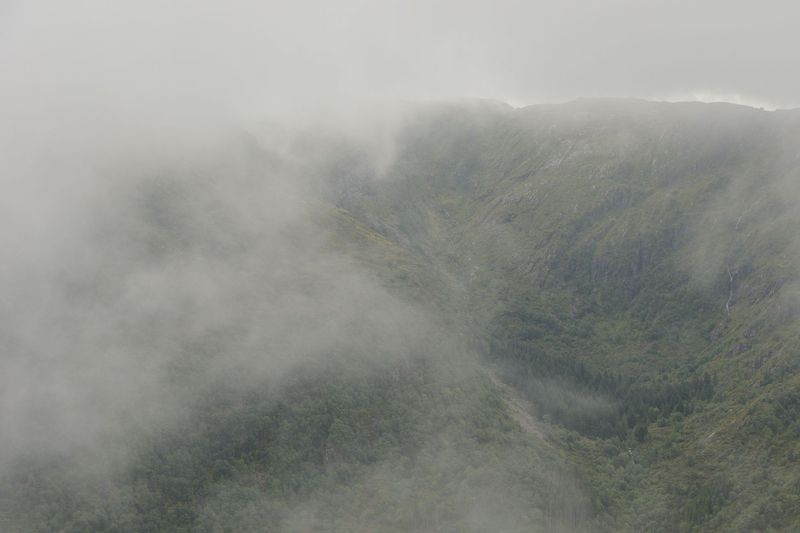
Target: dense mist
pixel 299 267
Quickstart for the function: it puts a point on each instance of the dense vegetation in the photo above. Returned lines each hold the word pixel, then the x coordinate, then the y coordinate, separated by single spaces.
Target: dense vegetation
pixel 628 268
pixel 387 447
pixel 632 268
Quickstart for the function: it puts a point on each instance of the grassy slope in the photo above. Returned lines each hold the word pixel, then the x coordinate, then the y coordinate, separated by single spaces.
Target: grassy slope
pixel 602 236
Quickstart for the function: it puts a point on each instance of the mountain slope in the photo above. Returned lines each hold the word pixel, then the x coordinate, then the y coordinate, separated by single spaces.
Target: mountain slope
pixel 580 317
pixel 313 400
pixel 631 267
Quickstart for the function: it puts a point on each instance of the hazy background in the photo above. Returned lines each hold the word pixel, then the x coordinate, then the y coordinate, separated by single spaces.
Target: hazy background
pixel 123 248
pixel 97 98
pixel 88 86
pixel 223 60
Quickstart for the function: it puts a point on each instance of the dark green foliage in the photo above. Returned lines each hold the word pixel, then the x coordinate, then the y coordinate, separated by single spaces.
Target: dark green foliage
pixel 703 498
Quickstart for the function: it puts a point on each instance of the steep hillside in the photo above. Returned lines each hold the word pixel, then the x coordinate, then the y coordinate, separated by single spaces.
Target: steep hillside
pixel 283 374
pixel 580 317
pixel 631 267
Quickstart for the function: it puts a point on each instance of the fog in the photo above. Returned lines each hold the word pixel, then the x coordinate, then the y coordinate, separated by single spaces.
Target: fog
pixel 162 165
pixel 163 231
pixel 209 61
pixel 156 221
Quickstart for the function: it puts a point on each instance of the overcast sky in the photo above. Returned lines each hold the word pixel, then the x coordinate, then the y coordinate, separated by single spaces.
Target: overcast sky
pixel 228 57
